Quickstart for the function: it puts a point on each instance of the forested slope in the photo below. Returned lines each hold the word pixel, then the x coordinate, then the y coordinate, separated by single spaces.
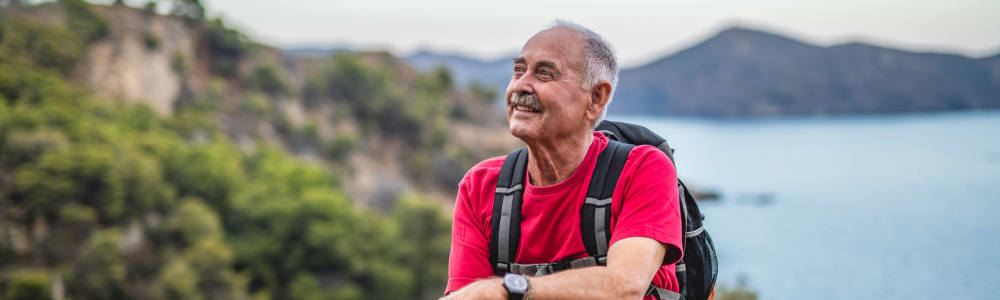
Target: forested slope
pixel 251 175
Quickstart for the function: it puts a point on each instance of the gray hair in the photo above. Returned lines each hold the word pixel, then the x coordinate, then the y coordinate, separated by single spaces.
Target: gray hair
pixel 602 65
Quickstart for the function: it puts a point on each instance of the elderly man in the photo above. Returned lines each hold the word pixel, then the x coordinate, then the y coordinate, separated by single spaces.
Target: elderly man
pixel 562 82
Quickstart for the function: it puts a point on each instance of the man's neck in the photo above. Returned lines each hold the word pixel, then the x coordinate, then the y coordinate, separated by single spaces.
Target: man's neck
pixel 551 162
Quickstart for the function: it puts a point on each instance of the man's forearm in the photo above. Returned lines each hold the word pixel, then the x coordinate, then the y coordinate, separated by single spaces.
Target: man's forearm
pixel 588 283
pixel 632 263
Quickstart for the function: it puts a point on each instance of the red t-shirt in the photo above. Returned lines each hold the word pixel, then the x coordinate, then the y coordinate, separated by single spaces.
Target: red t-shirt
pixel 644 205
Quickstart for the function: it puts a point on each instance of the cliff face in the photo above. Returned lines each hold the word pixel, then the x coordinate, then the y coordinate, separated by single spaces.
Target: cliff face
pixel 140 58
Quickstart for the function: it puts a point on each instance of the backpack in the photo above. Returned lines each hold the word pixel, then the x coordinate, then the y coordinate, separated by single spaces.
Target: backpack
pixel 697 270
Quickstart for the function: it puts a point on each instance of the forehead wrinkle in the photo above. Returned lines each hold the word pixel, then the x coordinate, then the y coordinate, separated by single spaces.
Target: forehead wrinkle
pixel 566 44
pixel 540 63
pixel 571 44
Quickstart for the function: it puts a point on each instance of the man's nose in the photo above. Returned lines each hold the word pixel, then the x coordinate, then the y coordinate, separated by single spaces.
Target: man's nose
pixel 523 84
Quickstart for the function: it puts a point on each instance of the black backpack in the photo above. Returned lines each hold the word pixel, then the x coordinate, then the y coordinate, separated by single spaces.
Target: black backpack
pixel 696 272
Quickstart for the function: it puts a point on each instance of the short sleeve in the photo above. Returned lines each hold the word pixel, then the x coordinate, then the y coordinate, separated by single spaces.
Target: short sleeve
pixel 468 259
pixel 649 205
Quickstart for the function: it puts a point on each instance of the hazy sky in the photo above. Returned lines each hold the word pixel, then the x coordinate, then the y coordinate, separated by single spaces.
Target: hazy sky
pixel 640 30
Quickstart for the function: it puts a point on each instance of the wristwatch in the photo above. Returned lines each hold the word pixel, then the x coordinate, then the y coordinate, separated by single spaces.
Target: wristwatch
pixel 517 286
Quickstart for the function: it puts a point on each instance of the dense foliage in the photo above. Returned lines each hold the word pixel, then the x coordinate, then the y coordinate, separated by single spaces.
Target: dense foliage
pixel 387 102
pixel 113 201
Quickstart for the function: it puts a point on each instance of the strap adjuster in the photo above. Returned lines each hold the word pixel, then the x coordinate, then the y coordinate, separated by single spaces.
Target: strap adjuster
pixel 503 267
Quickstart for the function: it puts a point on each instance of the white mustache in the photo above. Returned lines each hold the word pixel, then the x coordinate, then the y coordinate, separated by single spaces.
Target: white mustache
pixel 529 100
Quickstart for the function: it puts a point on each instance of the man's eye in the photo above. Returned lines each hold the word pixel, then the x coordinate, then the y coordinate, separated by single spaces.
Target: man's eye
pixel 545 74
pixel 518 69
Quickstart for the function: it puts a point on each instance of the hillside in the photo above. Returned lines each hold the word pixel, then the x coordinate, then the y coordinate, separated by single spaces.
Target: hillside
pixel 147 156
pixel 268 95
pixel 747 73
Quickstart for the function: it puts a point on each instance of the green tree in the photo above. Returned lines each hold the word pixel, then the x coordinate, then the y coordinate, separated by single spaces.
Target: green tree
pixel 192 222
pixel 426 241
pixel 266 79
pixel 83 21
pixel 190 9
pixel 227 46
pixel 28 285
pixel 100 272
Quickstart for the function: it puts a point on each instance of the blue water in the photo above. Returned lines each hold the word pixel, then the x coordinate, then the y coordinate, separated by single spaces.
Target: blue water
pixel 888 207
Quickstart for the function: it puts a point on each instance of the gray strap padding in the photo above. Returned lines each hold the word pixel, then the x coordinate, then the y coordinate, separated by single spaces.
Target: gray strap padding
pixel 504 190
pixel 503 242
pixel 680 268
pixel 684 211
pixel 695 232
pixel 526 268
pixel 543 269
pixel 662 293
pixel 598 202
pixel 588 261
pixel 600 231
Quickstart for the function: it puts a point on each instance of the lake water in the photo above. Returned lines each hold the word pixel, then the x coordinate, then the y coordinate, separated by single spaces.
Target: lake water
pixel 887 207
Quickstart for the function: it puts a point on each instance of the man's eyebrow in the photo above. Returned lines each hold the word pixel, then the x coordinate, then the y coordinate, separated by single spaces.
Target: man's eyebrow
pixel 546 63
pixel 539 64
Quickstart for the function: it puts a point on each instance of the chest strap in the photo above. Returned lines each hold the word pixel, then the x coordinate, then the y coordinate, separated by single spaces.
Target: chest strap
pixel 590 261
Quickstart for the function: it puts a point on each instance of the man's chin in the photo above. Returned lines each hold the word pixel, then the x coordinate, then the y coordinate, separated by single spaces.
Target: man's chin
pixel 524 133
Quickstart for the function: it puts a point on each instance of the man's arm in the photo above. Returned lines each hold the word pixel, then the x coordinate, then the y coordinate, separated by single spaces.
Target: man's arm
pixel 632 263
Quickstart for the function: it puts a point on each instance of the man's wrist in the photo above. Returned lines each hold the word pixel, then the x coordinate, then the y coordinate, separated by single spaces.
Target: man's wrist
pixel 516 286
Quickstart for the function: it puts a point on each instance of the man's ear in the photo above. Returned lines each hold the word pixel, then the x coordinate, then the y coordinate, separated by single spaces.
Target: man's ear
pixel 599 96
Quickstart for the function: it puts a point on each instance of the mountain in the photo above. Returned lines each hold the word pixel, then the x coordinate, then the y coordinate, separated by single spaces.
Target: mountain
pixel 742 72
pixel 467 70
pixel 317 52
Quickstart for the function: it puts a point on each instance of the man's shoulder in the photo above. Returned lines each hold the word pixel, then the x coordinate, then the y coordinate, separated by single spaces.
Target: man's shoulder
pixel 486 170
pixel 649 157
pixel 648 152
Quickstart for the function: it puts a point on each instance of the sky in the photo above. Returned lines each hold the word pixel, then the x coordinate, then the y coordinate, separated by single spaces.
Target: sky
pixel 641 31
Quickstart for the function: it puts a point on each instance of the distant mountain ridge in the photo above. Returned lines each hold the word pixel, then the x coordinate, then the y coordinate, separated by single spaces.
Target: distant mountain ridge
pixel 742 72
pixel 467 70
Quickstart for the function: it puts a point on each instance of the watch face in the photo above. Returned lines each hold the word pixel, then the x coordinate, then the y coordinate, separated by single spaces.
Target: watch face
pixel 515 282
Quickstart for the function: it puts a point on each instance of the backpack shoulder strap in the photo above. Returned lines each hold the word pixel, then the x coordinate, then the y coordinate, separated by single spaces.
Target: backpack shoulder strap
pixel 595 214
pixel 635 135
pixel 505 235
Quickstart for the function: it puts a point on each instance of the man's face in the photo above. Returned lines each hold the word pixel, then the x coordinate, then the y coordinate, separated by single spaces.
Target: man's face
pixel 545 97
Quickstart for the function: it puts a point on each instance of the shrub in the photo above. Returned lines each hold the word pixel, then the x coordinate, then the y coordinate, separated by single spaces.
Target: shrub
pixel 190 9
pixel 28 285
pixel 101 270
pixel 191 222
pixel 267 80
pixel 151 41
pixel 81 20
pixel 150 7
pixel 227 46
pixel 257 105
pixel 49 47
pixel 342 145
